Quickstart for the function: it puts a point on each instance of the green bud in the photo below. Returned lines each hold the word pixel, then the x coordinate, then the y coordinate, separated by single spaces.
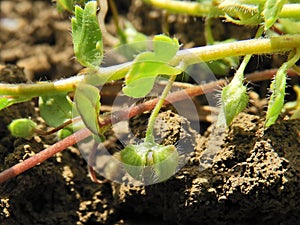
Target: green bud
pixel 150 162
pixel 234 100
pixel 63 133
pixel 22 128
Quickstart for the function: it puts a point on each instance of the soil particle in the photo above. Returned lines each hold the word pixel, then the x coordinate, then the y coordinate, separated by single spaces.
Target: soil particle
pixel 249 182
pixel 35 36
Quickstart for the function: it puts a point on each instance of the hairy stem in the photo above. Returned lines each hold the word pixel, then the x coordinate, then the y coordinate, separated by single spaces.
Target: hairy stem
pixel 209 9
pixel 190 8
pixel 187 56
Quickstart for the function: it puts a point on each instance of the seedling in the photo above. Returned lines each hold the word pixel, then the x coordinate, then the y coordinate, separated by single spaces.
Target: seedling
pixel 148 161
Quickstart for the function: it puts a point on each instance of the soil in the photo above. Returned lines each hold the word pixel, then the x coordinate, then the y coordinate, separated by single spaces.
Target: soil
pixel 242 175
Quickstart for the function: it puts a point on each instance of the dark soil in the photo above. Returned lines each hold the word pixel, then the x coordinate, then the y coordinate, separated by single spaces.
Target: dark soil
pixel 253 176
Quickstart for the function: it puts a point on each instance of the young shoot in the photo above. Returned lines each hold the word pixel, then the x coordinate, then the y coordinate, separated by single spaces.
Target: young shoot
pixel 277 89
pixel 234 97
pixel 87 36
pixel 148 161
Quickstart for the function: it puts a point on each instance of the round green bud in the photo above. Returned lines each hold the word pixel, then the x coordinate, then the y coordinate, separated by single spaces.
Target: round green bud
pixel 63 133
pixel 22 128
pixel 150 162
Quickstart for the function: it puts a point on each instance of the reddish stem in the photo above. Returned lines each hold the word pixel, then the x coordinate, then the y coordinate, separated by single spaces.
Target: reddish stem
pixel 43 155
pixel 124 115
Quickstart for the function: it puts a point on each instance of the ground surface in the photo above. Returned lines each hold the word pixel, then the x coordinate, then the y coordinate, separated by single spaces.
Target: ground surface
pixel 253 179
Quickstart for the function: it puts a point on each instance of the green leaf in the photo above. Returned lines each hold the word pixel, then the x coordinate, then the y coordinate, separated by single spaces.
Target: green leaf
pixel 165 48
pixel 139 88
pixel 6 101
pixel 3 103
pixel 55 109
pixel 87 36
pixel 87 99
pixel 148 65
pixel 22 128
pixel 271 11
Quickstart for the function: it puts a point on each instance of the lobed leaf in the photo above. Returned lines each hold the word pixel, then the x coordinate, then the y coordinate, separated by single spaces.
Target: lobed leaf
pixel 87 36
pixel 55 109
pixel 87 100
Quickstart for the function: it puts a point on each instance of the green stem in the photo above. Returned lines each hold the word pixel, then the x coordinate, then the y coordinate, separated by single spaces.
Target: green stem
pixel 187 57
pixel 240 72
pixel 190 8
pixel 208 32
pixel 102 76
pixel 239 48
pixel 290 11
pixel 149 132
pixel 210 9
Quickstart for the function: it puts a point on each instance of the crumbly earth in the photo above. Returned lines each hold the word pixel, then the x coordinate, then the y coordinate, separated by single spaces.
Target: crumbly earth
pixel 244 175
pixel 252 179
